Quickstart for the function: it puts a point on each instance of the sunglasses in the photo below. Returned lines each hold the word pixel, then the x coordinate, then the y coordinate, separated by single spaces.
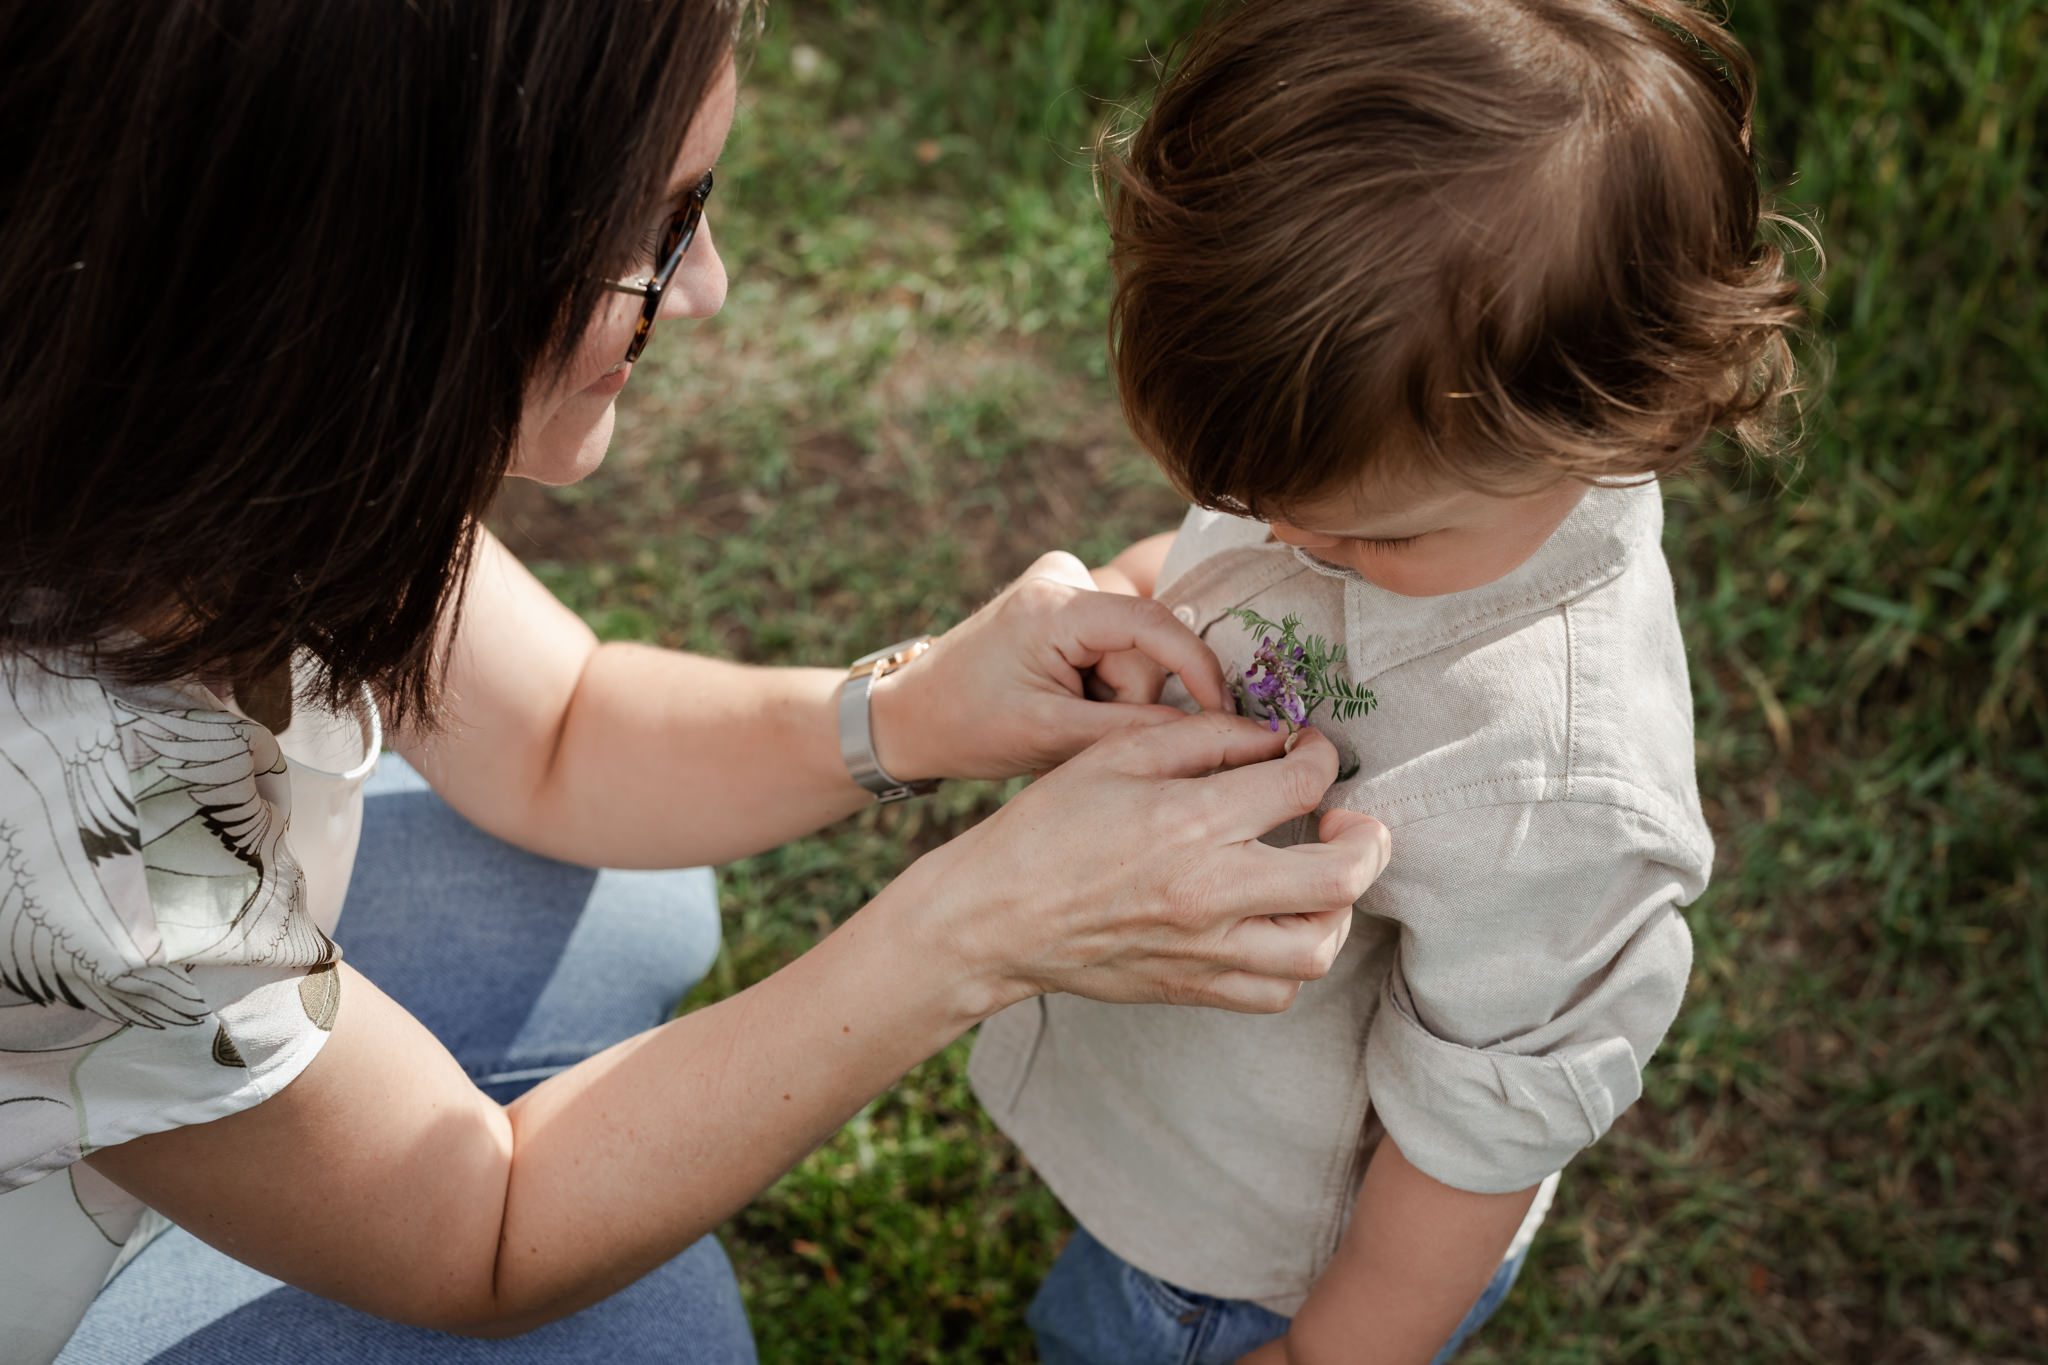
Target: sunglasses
pixel 676 236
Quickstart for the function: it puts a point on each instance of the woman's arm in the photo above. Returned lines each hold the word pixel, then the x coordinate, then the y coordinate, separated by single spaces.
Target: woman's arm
pixel 1414 1261
pixel 629 756
pixel 383 1178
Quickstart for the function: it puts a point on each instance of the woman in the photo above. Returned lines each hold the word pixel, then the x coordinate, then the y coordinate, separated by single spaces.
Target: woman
pixel 289 288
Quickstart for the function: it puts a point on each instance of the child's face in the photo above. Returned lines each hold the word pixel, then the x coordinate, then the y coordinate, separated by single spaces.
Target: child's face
pixel 1423 540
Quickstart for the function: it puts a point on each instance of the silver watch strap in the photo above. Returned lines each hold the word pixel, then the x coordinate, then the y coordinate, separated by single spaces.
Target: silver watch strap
pixel 856 733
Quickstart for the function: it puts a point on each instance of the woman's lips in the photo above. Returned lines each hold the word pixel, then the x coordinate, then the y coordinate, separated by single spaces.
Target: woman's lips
pixel 611 381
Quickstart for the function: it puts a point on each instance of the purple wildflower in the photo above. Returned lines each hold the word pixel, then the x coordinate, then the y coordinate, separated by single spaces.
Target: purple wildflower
pixel 1275 679
pixel 1290 680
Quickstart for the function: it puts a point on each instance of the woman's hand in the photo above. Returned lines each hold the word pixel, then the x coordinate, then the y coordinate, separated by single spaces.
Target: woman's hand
pixel 1130 676
pixel 1003 692
pixel 1135 873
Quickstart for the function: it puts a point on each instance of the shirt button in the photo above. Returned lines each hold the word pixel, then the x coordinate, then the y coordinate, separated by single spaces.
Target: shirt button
pixel 1185 614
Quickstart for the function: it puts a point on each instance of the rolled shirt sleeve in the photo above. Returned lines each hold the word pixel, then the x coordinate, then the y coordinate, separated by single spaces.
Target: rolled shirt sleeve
pixel 1542 956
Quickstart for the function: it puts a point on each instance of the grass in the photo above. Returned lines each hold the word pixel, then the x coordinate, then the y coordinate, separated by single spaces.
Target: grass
pixel 1843 1151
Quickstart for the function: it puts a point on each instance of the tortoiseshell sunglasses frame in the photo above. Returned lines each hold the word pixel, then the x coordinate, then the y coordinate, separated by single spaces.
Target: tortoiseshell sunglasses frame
pixel 676 236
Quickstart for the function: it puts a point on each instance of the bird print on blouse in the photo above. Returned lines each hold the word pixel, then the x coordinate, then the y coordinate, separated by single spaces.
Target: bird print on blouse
pixel 135 838
pixel 145 887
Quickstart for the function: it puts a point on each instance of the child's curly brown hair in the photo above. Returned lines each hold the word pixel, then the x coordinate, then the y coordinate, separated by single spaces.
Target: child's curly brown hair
pixel 1498 241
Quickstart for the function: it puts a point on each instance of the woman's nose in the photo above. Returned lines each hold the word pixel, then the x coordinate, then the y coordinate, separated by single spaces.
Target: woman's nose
pixel 698 288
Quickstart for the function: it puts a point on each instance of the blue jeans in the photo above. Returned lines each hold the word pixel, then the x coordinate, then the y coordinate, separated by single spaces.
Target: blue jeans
pixel 521 966
pixel 1095 1308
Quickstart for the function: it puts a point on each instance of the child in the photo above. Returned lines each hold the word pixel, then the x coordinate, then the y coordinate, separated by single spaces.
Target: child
pixel 1415 300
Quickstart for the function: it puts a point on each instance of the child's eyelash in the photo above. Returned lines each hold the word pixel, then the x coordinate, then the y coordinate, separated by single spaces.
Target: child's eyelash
pixel 1401 543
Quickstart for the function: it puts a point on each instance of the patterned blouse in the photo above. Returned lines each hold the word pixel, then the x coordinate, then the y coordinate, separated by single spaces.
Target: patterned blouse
pixel 170 872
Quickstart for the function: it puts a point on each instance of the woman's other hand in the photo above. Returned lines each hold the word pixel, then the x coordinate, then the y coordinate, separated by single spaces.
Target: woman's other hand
pixel 1135 873
pixel 1130 676
pixel 1005 691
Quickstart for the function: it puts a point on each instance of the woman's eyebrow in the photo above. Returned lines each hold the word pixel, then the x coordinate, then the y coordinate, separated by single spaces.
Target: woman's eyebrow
pixel 678 193
pixel 672 202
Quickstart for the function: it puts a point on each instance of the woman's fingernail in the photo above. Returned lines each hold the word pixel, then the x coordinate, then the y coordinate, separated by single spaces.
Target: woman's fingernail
pixel 1296 737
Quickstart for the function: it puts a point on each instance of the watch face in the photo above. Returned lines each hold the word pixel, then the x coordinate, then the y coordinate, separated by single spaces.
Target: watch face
pixel 883 662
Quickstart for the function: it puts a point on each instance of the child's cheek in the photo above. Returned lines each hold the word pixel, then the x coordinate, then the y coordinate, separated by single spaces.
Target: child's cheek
pixel 1395 570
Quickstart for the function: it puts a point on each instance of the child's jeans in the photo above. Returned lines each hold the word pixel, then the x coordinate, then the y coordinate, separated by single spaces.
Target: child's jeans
pixel 1097 1309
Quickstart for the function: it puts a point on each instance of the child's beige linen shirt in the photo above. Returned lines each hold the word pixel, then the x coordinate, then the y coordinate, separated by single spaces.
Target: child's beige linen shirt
pixel 1506 978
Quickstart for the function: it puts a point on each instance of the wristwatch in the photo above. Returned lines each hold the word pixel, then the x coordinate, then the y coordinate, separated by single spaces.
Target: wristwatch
pixel 856 738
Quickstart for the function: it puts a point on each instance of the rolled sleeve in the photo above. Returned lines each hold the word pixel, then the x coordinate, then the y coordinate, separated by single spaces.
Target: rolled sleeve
pixel 1542 958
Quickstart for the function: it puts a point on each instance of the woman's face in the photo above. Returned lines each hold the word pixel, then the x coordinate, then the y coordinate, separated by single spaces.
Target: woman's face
pixel 567 423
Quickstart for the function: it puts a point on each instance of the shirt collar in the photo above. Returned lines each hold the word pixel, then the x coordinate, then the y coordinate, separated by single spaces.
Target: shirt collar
pixel 1385 629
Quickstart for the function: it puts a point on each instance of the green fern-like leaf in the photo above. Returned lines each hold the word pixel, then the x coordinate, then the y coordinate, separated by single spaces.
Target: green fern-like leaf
pixel 1318 671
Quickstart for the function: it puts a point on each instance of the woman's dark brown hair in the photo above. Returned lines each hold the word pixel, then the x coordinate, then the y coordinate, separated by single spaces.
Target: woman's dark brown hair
pixel 274 276
pixel 1495 241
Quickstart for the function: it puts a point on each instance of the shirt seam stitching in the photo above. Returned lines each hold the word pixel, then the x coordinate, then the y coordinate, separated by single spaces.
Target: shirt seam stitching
pixel 1571 1076
pixel 1657 820
pixel 1571 700
pixel 1557 593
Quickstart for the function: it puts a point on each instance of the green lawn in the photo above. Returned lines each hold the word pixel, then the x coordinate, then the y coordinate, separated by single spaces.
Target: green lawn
pixel 1843 1151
